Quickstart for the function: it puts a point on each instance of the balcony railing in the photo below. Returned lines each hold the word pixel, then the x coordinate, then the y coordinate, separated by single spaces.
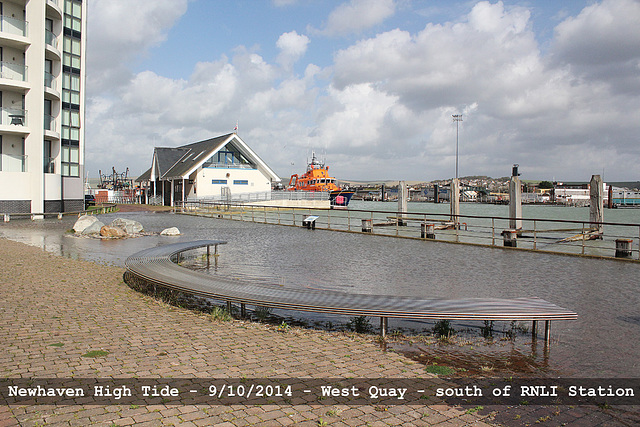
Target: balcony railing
pixel 51 39
pixel 49 80
pixel 49 165
pixel 13 71
pixel 13 163
pixel 49 122
pixel 14 26
pixel 13 116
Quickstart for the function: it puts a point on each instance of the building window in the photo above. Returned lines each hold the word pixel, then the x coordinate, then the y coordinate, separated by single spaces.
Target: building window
pixel 219 181
pixel 70 160
pixel 240 182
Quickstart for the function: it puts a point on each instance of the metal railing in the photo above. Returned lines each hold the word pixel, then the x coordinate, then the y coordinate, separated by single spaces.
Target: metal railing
pixel 49 80
pixel 49 122
pixel 13 71
pixel 13 116
pixel 262 196
pixel 541 235
pixel 13 163
pixel 51 39
pixel 49 165
pixel 14 26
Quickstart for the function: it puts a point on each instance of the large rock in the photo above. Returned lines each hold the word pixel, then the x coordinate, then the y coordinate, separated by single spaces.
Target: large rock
pixel 128 225
pixel 93 228
pixel 83 222
pixel 109 231
pixel 172 231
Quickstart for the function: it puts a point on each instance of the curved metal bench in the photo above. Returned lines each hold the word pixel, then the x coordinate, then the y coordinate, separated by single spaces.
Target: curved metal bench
pixel 155 266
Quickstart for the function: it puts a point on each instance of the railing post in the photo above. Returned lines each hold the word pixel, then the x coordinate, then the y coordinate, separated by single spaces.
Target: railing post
pixel 348 220
pixel 534 235
pixel 493 232
pixel 383 327
pixel 583 236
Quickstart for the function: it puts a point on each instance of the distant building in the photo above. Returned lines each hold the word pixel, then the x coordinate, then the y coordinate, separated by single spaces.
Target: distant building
pixel 42 66
pixel 217 168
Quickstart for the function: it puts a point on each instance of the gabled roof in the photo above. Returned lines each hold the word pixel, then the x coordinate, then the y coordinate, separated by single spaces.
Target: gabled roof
pixel 180 162
pixel 146 176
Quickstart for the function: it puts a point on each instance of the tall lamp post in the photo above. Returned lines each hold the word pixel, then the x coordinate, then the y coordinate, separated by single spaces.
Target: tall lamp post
pixel 457 118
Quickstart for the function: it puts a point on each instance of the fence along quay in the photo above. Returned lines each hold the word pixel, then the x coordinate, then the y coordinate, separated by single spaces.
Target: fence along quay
pixel 158 267
pixel 555 236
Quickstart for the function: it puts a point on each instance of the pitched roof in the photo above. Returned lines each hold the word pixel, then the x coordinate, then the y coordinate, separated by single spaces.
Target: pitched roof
pixel 146 176
pixel 179 162
pixel 194 154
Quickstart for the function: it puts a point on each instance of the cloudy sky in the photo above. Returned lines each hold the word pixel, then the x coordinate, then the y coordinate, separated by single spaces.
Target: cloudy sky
pixel 371 85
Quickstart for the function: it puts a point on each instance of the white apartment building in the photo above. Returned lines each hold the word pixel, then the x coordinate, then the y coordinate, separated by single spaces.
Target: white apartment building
pixel 42 84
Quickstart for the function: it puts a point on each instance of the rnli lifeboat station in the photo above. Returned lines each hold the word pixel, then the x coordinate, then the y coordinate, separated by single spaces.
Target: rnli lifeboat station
pixel 212 169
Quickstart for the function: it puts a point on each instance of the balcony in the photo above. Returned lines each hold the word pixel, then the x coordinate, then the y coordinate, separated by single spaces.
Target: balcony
pixel 51 39
pixel 12 71
pixel 49 123
pixel 49 165
pixel 13 163
pixel 13 116
pixel 13 26
pixel 49 80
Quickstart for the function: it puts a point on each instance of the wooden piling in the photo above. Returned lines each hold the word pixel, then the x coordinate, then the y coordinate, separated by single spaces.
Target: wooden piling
pixel 596 211
pixel 403 195
pixel 455 202
pixel 515 203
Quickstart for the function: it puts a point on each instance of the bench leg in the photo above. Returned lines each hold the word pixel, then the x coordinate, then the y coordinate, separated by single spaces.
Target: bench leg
pixel 534 330
pixel 383 327
pixel 547 330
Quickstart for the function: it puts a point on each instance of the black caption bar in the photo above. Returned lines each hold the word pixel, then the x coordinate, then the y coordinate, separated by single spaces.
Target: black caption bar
pixel 330 391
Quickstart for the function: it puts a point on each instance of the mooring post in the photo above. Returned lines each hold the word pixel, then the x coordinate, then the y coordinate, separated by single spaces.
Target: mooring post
pixel 510 238
pixel 455 202
pixel 624 248
pixel 515 200
pixel 547 330
pixel 427 231
pixel 596 211
pixel 403 195
pixel 383 327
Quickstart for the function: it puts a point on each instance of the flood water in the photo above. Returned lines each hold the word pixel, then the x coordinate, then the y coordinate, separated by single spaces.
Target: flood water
pixel 603 342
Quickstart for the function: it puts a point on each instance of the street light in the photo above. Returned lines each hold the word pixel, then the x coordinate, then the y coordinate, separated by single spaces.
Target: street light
pixel 457 118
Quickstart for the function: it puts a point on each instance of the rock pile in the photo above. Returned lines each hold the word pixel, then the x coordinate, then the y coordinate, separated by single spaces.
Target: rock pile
pixel 89 225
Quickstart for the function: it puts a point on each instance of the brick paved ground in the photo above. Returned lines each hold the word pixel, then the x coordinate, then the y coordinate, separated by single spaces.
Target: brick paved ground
pixel 54 310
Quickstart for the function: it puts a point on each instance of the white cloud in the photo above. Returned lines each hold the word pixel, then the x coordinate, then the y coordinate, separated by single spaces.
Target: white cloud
pixel 383 109
pixel 122 31
pixel 603 43
pixel 292 47
pixel 358 15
